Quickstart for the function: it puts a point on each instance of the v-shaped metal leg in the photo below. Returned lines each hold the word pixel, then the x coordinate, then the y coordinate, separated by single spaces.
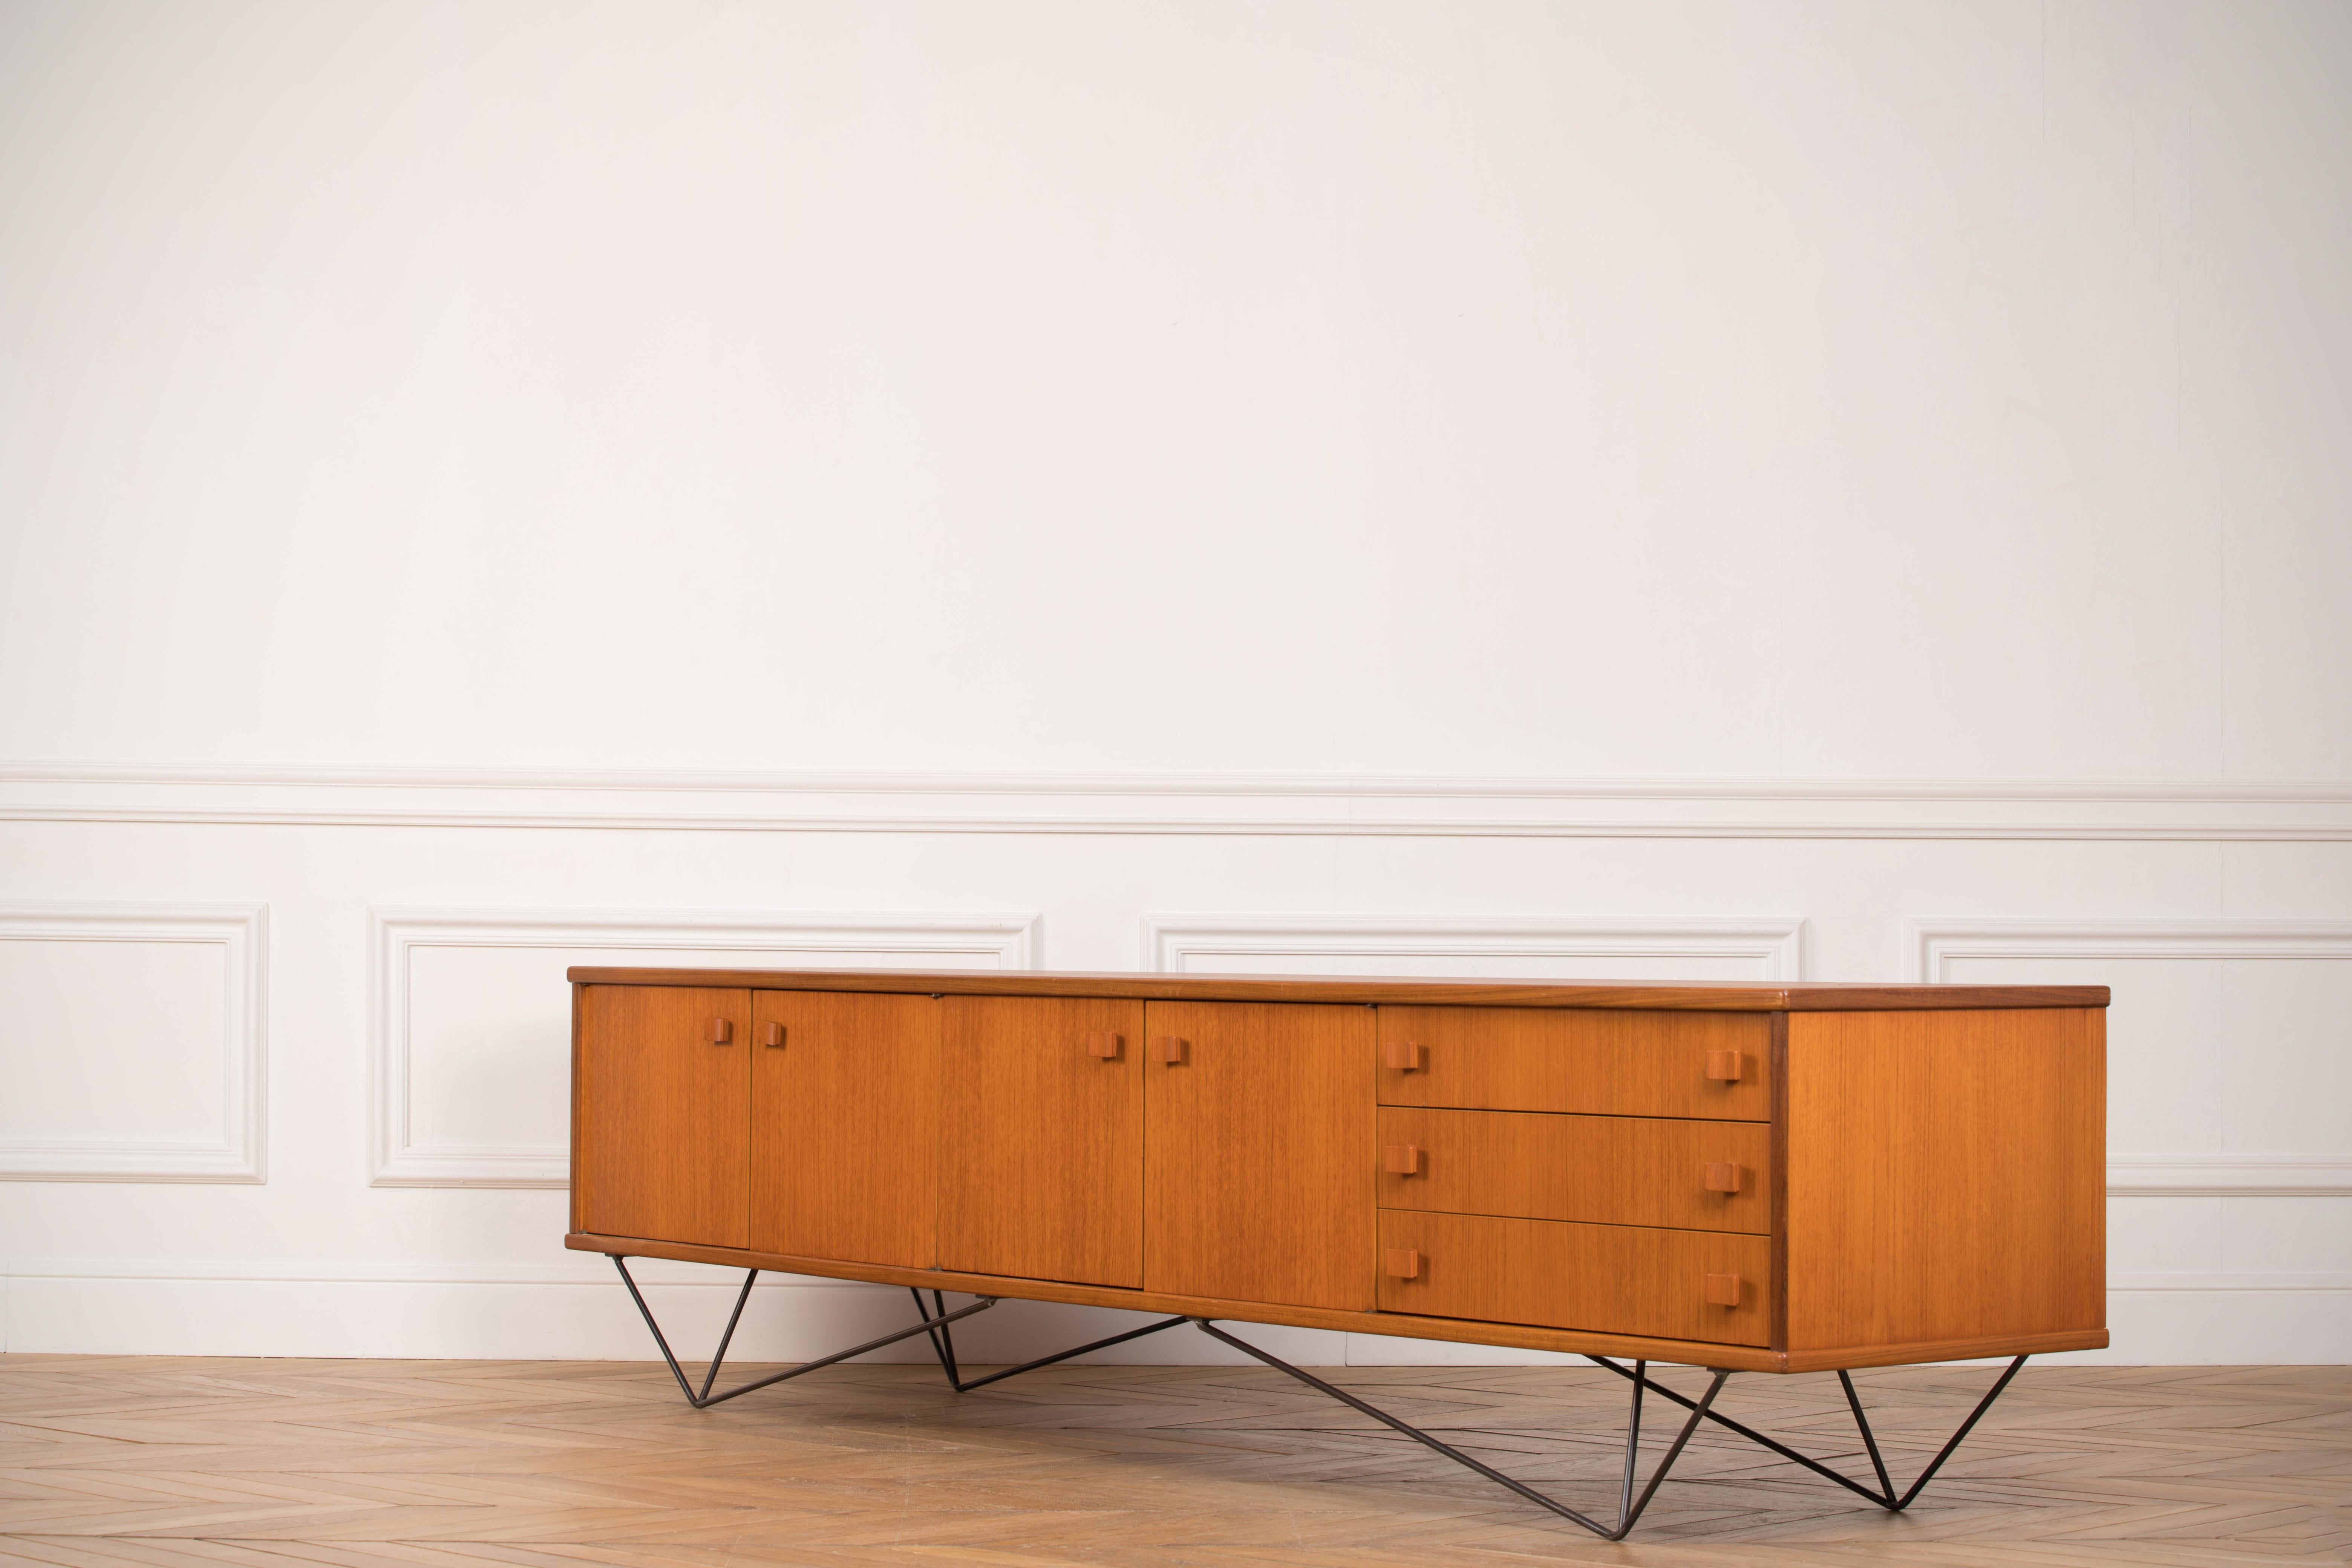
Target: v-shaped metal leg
pixel 705 1399
pixel 1884 1495
pixel 1629 1505
pixel 943 1345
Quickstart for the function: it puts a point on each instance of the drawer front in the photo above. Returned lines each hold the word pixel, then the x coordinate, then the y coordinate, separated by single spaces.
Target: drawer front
pixel 1595 1060
pixel 1604 1169
pixel 1607 1278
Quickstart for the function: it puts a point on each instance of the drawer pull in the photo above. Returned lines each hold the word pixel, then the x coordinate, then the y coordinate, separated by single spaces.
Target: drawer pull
pixel 1103 1046
pixel 1723 1289
pixel 1170 1049
pixel 1401 1160
pixel 1404 1055
pixel 1722 1177
pixel 721 1031
pixel 772 1036
pixel 1724 1066
pixel 1404 1263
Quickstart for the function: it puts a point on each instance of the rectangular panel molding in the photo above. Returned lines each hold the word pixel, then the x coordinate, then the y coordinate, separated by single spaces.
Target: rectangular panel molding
pixel 1932 945
pixel 399 1159
pixel 240 1154
pixel 1768 947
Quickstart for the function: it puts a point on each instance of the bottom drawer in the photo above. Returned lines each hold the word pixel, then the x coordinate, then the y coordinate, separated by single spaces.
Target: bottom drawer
pixel 1609 1278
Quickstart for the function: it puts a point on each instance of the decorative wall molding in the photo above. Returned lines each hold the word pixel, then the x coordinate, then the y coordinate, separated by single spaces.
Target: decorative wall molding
pixel 791 940
pixel 1932 944
pixel 1306 805
pixel 1172 942
pixel 241 1153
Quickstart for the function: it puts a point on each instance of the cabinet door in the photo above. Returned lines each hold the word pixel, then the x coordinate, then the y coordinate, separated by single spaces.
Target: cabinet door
pixel 844 1126
pixel 1041 1162
pixel 1260 1153
pixel 665 1113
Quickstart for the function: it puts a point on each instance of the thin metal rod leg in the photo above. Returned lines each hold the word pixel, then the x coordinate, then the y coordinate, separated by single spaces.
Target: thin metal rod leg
pixel 704 1400
pixel 942 1340
pixel 1630 1506
pixel 1869 1439
pixel 1074 1350
pixel 1966 1427
pixel 1884 1496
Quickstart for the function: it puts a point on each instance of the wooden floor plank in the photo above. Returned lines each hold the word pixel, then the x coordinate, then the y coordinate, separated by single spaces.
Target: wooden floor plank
pixel 120 1461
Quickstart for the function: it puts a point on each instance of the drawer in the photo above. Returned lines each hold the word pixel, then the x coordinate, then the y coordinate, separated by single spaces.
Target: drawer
pixel 1605 1170
pixel 1607 1278
pixel 1596 1060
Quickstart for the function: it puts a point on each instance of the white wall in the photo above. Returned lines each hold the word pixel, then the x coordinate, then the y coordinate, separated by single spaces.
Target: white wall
pixel 1438 488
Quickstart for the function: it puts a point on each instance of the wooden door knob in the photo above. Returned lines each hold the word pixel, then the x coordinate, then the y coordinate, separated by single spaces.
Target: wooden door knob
pixel 1403 1056
pixel 1403 1263
pixel 1170 1049
pixel 1723 1289
pixel 1103 1046
pixel 1722 1177
pixel 772 1036
pixel 721 1031
pixel 1401 1159
pixel 1725 1066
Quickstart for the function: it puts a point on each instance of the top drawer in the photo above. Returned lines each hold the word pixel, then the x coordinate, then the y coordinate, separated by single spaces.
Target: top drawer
pixel 1598 1061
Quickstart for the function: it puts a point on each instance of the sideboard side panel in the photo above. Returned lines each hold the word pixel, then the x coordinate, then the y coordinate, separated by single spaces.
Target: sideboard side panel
pixel 1946 1176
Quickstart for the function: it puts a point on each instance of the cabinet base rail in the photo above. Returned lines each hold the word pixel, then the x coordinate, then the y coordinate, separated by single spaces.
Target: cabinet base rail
pixel 934 1323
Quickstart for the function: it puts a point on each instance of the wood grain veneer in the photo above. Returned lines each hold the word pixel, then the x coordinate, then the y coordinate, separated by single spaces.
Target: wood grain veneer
pixel 660 1144
pixel 1600 1061
pixel 1606 1170
pixel 1257 1180
pixel 1618 1278
pixel 1041 1166
pixel 844 1126
pixel 1731 997
pixel 1946 1176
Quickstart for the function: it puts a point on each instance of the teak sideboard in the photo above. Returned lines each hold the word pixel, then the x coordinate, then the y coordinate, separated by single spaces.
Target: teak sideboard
pixel 1743 1177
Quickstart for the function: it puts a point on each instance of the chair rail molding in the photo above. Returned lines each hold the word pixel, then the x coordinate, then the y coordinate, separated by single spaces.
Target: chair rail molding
pixel 241 1154
pixel 1280 804
pixel 1932 944
pixel 1775 944
pixel 796 940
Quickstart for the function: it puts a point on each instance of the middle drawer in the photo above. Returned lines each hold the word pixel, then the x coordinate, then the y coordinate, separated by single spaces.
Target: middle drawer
pixel 1604 1169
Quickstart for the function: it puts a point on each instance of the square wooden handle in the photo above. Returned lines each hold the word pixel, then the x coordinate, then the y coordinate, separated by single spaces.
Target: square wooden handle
pixel 1403 1263
pixel 1723 1289
pixel 772 1036
pixel 721 1031
pixel 1170 1049
pixel 1103 1046
pixel 1722 1177
pixel 1401 1159
pixel 1725 1066
pixel 1403 1056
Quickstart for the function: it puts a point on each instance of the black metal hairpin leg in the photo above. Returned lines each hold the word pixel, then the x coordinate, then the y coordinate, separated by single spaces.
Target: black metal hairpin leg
pixel 943 1345
pixel 1885 1494
pixel 705 1399
pixel 1629 1505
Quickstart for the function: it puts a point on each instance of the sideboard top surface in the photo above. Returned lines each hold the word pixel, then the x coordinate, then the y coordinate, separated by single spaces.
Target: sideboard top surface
pixel 1697 995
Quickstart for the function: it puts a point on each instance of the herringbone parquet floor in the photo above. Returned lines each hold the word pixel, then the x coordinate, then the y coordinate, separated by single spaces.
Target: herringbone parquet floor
pixel 120 1461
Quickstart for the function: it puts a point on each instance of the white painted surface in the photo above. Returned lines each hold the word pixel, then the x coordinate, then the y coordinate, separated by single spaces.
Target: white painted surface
pixel 1695 488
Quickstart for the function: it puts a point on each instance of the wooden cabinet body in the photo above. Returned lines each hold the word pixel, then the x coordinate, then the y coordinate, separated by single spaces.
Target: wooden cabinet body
pixel 1769 1178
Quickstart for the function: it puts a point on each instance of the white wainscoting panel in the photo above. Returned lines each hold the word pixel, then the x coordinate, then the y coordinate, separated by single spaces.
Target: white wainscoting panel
pixel 132 1042
pixel 1558 947
pixel 470 1016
